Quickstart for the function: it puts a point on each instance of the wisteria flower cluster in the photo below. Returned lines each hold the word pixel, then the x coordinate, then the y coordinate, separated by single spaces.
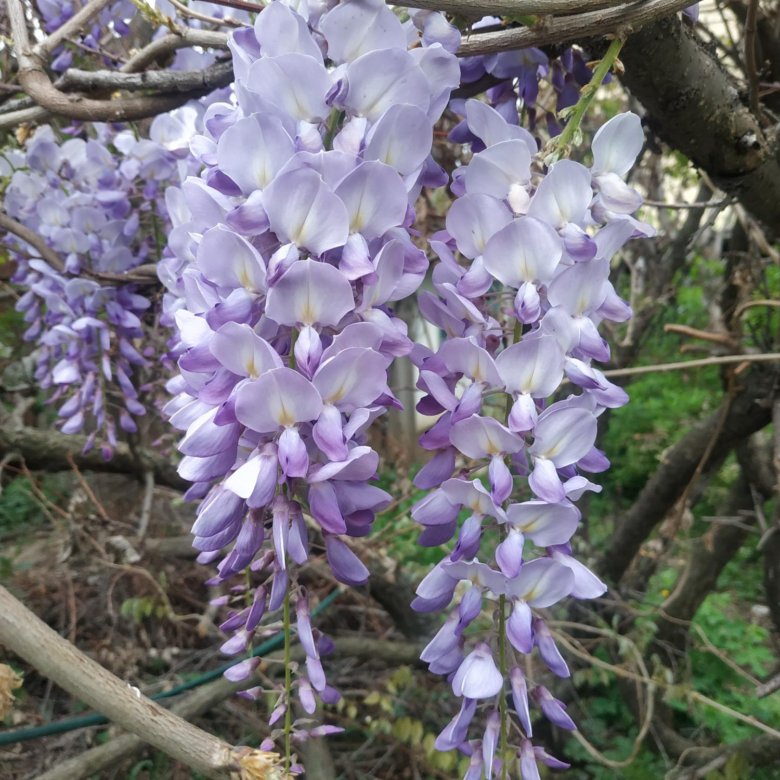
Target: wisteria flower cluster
pixel 291 235
pixel 521 320
pixel 287 254
pixel 98 203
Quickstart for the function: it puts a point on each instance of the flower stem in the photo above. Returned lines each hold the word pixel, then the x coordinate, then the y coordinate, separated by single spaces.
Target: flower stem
pixel 517 334
pixel 502 700
pixel 159 240
pixel 293 339
pixel 560 145
pixel 333 125
pixel 287 684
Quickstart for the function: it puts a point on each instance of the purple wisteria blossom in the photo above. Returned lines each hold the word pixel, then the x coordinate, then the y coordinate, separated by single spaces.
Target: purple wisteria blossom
pixel 98 203
pixel 512 444
pixel 291 235
pixel 516 79
pixel 287 253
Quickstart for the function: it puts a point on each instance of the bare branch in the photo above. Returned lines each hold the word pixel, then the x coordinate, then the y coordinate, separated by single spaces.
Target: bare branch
pixel 770 686
pixel 213 77
pixel 37 84
pixel 51 450
pixel 724 339
pixel 40 88
pixel 32 238
pixel 119 748
pixel 241 5
pixel 629 16
pixel 742 308
pixel 22 116
pixel 18 112
pixel 513 8
pixel 683 365
pixel 143 274
pixel 706 561
pixel 651 288
pixel 751 67
pixel 748 411
pixel 770 540
pixel 73 26
pixel 699 762
pixel 30 638
pixel 203 699
pixel 710 204
pixel 170 43
pixel 185 11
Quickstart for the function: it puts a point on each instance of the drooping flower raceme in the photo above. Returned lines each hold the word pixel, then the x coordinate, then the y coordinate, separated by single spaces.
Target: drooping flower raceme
pixel 98 203
pixel 287 255
pixel 521 319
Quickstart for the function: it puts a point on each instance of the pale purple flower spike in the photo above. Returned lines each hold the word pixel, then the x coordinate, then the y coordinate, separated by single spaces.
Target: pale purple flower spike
pixel 541 245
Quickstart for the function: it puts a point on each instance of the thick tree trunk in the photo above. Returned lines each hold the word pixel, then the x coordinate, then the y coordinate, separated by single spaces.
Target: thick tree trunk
pixel 696 107
pixel 708 557
pixel 50 450
pixel 749 411
pixel 771 542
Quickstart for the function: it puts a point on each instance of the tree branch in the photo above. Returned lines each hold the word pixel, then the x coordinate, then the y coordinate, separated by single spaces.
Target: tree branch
pixel 71 27
pixel 142 273
pixel 40 88
pixel 749 411
pixel 166 45
pixel 698 763
pixel 695 106
pixel 512 8
pixel 655 279
pixel 31 639
pixel 37 84
pixel 119 748
pixel 215 76
pixel 629 16
pixel 18 112
pixel 751 67
pixel 770 541
pixel 22 116
pixel 241 5
pixel 684 365
pixel 50 450
pixel 33 239
pixel 186 11
pixel 707 559
pixel 203 699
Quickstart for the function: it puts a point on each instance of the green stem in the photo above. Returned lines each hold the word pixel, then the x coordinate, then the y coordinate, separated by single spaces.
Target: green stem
pixel 159 241
pixel 333 125
pixel 287 683
pixel 562 142
pixel 517 334
pixel 293 339
pixel 502 698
